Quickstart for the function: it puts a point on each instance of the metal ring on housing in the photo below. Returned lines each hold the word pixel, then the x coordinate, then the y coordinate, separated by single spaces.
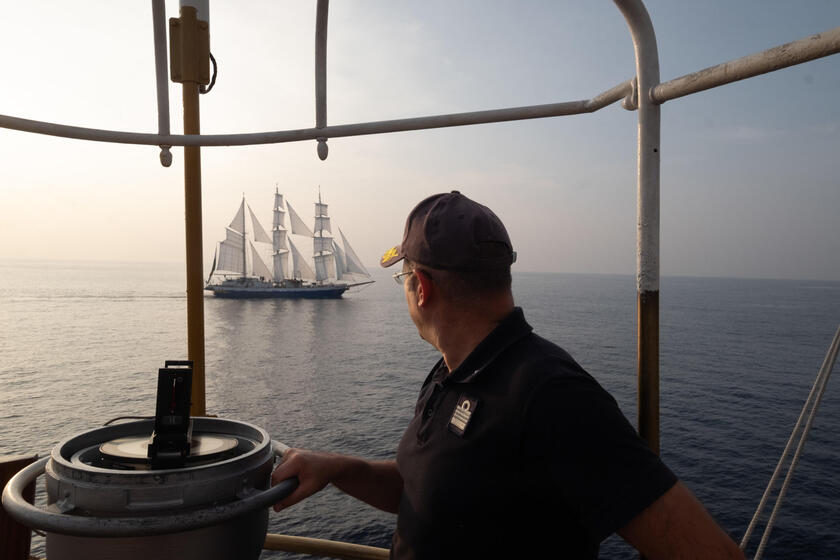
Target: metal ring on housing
pixel 85 526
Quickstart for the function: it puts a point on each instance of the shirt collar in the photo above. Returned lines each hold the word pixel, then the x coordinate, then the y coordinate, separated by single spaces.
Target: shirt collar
pixel 511 329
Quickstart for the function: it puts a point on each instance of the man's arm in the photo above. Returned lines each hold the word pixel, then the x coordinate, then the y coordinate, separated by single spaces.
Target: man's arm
pixel 676 526
pixel 377 483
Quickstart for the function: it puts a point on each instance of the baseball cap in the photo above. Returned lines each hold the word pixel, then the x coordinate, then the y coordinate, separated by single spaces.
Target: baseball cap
pixel 449 231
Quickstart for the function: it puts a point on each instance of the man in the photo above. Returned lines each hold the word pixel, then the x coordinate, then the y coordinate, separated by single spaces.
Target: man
pixel 514 450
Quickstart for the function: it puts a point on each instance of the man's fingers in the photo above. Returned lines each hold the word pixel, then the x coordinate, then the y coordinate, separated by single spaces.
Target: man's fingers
pixel 285 469
pixel 301 492
pixel 288 501
pixel 301 465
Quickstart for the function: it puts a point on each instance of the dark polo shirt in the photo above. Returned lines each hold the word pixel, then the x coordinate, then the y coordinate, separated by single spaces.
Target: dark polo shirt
pixel 519 451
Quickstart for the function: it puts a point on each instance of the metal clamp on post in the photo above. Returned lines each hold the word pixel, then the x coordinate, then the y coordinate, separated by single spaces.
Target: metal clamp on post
pixel 189 52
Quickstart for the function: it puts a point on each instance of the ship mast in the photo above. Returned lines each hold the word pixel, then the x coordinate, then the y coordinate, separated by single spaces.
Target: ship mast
pixel 244 241
pixel 322 243
pixel 279 246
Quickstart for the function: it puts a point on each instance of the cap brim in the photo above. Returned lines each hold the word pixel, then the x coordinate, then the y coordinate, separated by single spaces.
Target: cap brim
pixel 391 256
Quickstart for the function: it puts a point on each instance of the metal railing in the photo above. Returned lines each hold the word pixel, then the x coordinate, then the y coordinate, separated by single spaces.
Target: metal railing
pixel 790 54
pixel 324 548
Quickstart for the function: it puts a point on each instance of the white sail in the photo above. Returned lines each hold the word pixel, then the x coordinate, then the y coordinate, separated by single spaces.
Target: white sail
pixel 324 267
pixel 281 265
pixel 279 219
pixel 244 231
pixel 298 227
pixel 238 222
pixel 300 269
pixel 279 240
pixel 258 231
pixel 353 264
pixel 258 266
pixel 215 259
pixel 231 259
pixel 320 208
pixel 322 223
pixel 321 243
pixel 279 212
pixel 340 264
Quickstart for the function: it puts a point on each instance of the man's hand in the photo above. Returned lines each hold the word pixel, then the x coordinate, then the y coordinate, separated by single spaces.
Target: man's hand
pixel 377 483
pixel 314 471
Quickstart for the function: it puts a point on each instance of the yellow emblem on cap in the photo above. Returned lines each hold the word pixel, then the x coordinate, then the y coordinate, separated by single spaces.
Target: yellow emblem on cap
pixel 389 254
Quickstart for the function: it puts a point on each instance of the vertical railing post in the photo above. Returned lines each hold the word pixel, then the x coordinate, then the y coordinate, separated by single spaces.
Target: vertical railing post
pixel 647 236
pixel 190 65
pixel 159 27
pixel 322 12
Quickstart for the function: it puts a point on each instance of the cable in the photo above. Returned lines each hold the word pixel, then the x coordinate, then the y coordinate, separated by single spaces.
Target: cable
pixel 203 89
pixel 112 420
pixel 812 402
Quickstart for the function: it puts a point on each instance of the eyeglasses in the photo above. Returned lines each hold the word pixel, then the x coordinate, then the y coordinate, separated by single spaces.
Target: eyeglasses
pixel 399 277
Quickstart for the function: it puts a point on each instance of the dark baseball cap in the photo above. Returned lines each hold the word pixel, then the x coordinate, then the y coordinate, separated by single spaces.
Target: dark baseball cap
pixel 449 231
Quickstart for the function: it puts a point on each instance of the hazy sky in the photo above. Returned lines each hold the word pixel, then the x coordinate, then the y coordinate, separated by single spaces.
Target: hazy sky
pixel 749 171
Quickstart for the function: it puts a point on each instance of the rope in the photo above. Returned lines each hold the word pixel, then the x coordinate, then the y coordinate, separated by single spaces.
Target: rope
pixel 812 403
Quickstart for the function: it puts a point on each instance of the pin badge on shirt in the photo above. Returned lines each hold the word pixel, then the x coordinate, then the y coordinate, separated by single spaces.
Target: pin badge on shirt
pixel 462 414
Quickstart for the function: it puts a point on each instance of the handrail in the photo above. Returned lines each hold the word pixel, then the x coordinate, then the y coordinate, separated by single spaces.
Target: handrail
pixel 377 127
pixel 796 52
pixel 647 220
pixel 789 54
pixel 323 547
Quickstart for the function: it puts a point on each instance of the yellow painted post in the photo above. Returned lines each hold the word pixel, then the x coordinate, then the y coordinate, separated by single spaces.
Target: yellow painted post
pixel 648 368
pixel 189 65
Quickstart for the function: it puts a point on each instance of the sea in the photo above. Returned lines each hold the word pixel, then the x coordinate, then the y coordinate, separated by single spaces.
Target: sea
pixel 81 343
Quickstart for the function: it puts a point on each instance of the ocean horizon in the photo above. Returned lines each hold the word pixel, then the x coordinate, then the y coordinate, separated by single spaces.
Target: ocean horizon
pixel 375 266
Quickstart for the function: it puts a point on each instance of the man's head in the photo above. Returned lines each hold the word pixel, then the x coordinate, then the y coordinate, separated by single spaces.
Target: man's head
pixel 463 245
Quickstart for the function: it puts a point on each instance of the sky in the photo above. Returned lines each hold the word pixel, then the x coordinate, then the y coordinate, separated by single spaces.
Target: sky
pixel 750 183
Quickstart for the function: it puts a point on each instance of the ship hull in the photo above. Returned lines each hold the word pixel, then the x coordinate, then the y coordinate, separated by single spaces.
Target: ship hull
pixel 265 292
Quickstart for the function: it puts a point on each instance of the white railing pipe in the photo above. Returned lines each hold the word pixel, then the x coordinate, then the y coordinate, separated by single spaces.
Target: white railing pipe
pixel 789 54
pixel 647 219
pixel 161 77
pixel 378 127
pixel 321 16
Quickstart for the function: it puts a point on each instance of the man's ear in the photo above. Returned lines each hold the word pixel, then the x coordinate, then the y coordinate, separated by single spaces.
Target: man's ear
pixel 425 288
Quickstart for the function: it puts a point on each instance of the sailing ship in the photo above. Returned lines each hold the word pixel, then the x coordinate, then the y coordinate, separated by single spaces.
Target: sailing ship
pixel 241 264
